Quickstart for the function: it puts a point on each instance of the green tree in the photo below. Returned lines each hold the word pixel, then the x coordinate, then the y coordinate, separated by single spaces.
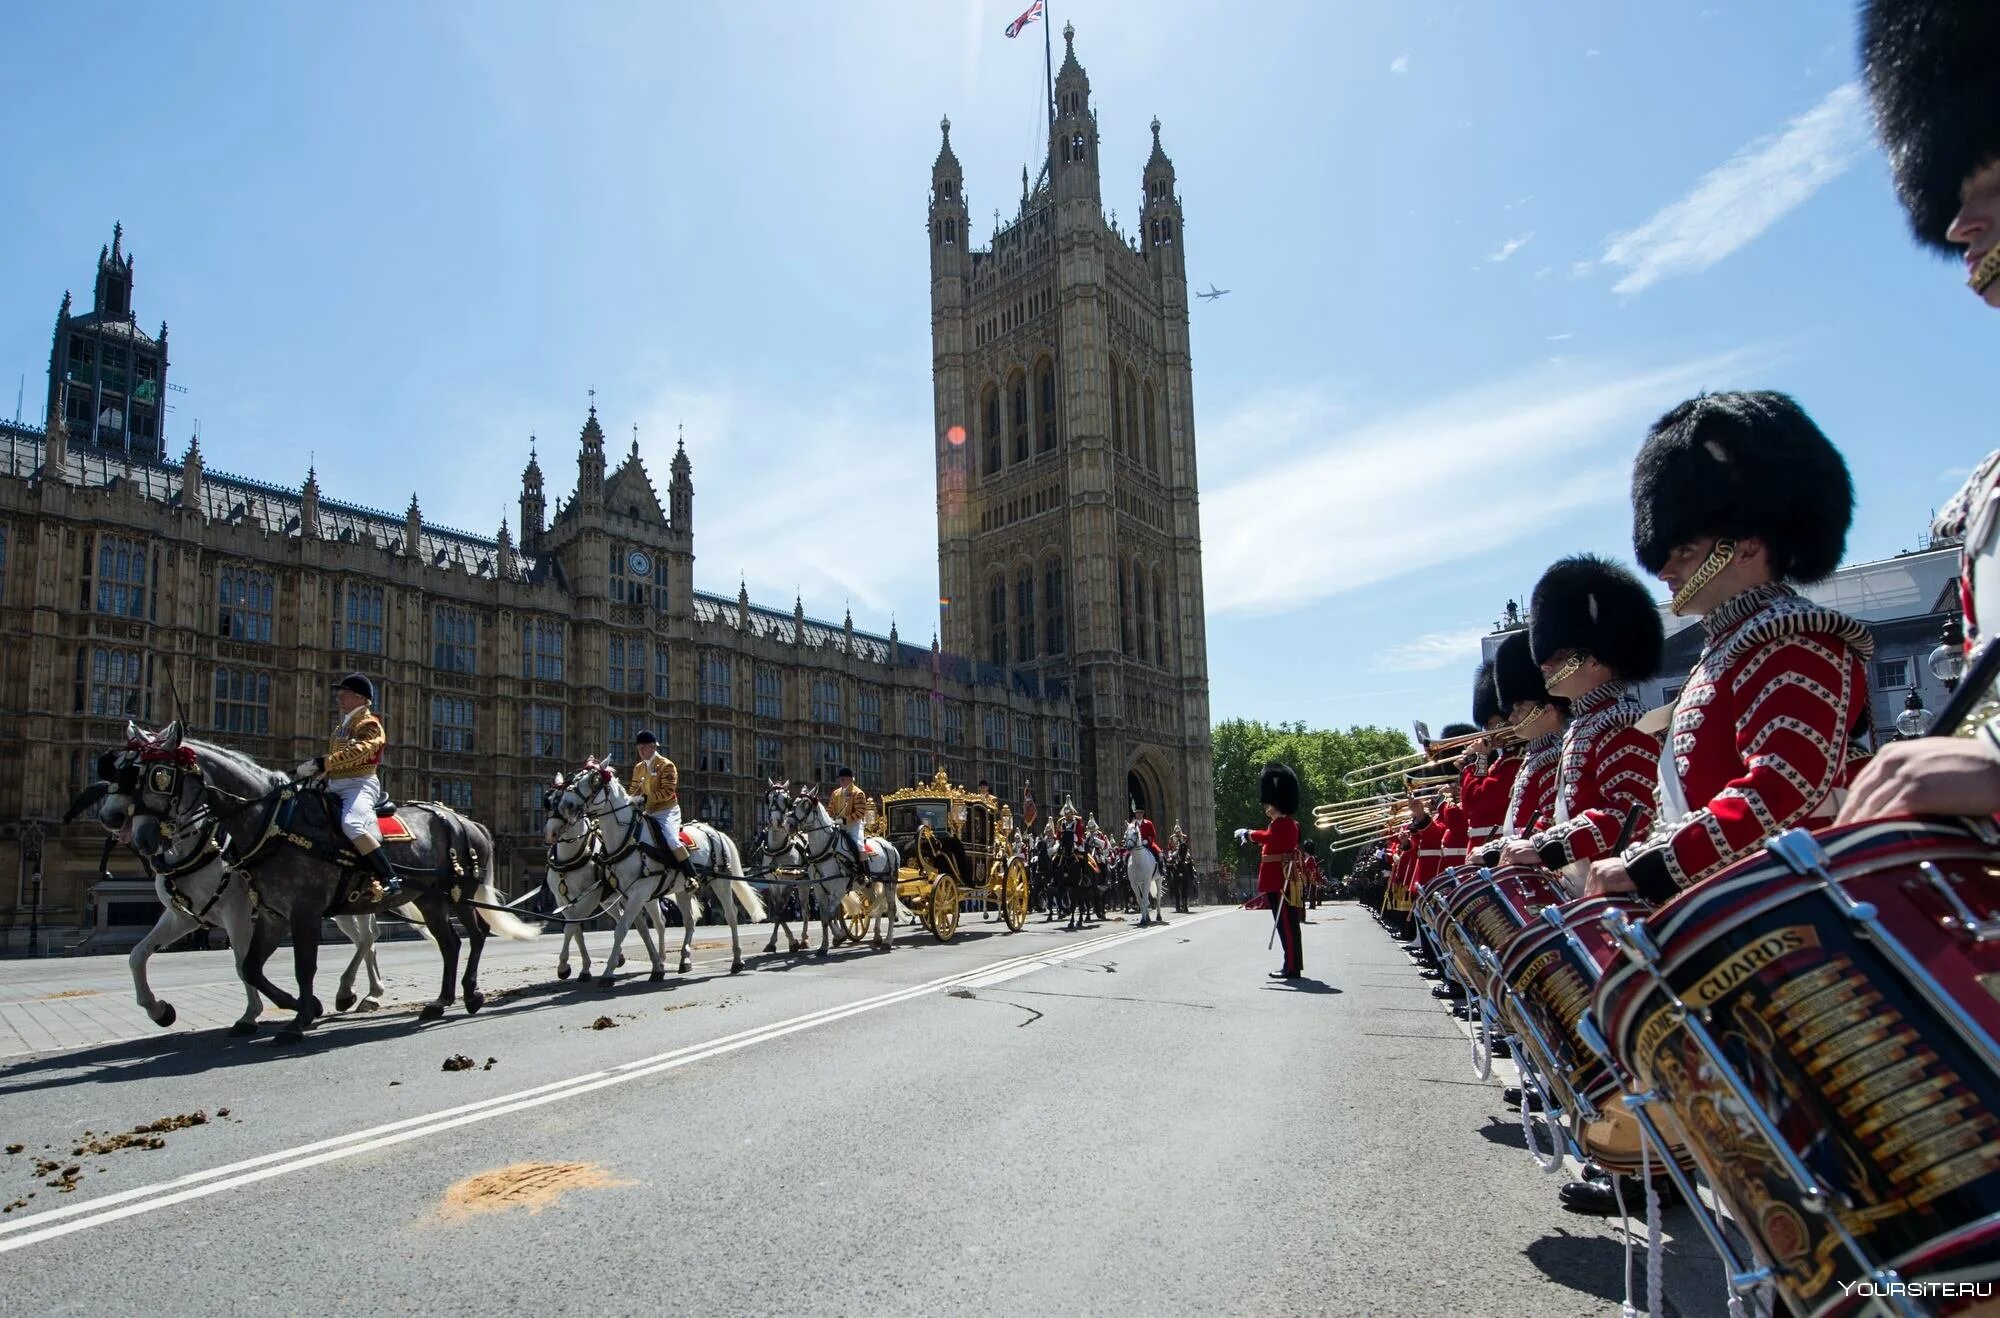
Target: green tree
pixel 1320 756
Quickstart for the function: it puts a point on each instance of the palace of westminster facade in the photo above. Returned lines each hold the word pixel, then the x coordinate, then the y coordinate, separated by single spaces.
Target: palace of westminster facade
pixel 1071 663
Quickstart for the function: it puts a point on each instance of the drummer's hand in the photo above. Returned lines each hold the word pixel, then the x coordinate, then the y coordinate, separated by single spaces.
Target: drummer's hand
pixel 1928 776
pixel 1608 879
pixel 1519 852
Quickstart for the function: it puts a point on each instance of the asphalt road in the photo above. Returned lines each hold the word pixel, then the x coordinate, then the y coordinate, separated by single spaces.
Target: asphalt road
pixel 1107 1122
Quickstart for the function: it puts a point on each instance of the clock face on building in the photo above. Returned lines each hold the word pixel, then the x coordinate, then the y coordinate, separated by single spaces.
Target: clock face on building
pixel 639 564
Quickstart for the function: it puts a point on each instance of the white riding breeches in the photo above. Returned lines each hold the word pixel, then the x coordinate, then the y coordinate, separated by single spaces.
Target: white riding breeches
pixel 669 821
pixel 358 799
pixel 853 832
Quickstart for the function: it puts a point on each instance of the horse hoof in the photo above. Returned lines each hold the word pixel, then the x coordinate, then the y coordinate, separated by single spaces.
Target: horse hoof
pixel 473 1002
pixel 368 1004
pixel 656 976
pixel 736 966
pixel 604 983
pixel 432 1011
pixel 166 1015
pixel 821 954
pixel 562 972
pixel 243 1029
pixel 343 1002
pixel 287 1037
pixel 619 961
pixel 687 966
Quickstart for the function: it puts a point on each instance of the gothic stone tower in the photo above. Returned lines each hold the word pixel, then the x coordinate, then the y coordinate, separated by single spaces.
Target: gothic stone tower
pixel 1069 537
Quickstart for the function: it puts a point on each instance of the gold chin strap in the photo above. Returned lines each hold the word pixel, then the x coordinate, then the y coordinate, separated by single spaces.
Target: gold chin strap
pixel 1985 272
pixel 1718 558
pixel 1566 672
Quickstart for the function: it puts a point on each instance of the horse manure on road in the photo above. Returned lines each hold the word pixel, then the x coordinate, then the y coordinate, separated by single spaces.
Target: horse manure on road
pixel 165 1124
pixel 530 1185
pixel 489 1064
pixel 15 1148
pixel 459 1062
pixel 604 1023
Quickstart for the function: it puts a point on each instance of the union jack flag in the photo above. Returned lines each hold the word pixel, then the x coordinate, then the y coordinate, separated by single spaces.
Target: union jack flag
pixel 1034 12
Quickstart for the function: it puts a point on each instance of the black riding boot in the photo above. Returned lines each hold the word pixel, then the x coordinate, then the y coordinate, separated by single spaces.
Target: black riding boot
pixel 378 861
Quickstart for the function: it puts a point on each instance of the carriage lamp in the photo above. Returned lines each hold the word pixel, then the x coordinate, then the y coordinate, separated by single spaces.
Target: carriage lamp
pixel 1914 718
pixel 1947 662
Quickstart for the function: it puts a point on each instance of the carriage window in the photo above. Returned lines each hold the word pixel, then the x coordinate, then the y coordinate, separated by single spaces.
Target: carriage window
pixel 243 702
pixel 454 640
pixel 542 731
pixel 718 750
pixel 451 724
pixel 243 600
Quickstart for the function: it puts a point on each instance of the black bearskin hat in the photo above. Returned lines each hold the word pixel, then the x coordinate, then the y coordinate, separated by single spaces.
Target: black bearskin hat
pixel 1933 71
pixel 1458 730
pixel 1589 604
pixel 1742 464
pixel 1515 676
pixel 1485 699
pixel 1279 787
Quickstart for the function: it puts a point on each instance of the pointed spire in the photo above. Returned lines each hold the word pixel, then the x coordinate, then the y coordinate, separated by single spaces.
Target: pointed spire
pixel 309 505
pixel 117 239
pixel 799 619
pixel 64 313
pixel 1069 63
pixel 635 441
pixel 742 604
pixel 413 527
pixel 947 159
pixel 504 562
pixel 532 473
pixel 55 441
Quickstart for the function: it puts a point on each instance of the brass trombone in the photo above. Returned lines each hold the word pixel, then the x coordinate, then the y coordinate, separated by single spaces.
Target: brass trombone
pixel 1383 770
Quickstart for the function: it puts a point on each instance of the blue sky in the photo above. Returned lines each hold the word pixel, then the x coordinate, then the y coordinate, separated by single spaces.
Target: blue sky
pixel 1474 249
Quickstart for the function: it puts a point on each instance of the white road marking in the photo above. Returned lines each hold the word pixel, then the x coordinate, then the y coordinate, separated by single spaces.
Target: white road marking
pixel 22 1232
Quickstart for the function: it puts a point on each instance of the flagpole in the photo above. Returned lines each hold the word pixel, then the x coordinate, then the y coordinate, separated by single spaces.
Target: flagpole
pixel 1048 76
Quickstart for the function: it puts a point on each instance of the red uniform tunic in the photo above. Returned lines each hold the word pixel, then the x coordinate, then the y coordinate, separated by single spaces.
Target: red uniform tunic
pixel 1149 838
pixel 1280 842
pixel 1457 834
pixel 1404 849
pixel 1430 853
pixel 1531 805
pixel 1609 766
pixel 1484 797
pixel 1773 720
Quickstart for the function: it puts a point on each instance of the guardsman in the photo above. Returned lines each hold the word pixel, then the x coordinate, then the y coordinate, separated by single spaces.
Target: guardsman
pixel 1735 497
pixel 353 753
pixel 1278 790
pixel 1537 718
pixel 1595 632
pixel 1177 847
pixel 849 806
pixel 1149 837
pixel 1487 779
pixel 656 783
pixel 1935 81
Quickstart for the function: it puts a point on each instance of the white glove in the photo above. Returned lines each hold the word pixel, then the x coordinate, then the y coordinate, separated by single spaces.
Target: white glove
pixel 310 768
pixel 1242 836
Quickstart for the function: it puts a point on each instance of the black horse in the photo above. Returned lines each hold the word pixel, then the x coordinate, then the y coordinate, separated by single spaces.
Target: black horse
pixel 1180 876
pixel 287 838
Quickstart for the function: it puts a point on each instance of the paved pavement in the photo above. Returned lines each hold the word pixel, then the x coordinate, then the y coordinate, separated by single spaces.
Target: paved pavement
pixel 1106 1122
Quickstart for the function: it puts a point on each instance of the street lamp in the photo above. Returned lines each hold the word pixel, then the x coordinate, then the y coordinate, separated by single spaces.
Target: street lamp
pixel 1947 662
pixel 1914 718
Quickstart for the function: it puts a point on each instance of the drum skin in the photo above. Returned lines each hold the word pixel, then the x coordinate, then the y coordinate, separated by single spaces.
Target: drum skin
pixel 1547 977
pixel 1842 1030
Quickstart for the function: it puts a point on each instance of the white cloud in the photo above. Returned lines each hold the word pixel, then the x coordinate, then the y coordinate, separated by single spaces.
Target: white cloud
pixel 1511 246
pixel 1558 338
pixel 1740 199
pixel 1432 651
pixel 1427 486
pixel 1400 64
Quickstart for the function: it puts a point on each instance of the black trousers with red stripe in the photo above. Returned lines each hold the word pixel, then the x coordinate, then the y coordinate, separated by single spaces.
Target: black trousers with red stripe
pixel 1289 920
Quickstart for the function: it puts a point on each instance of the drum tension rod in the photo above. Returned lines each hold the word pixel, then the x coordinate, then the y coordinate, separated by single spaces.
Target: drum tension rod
pixel 1981 931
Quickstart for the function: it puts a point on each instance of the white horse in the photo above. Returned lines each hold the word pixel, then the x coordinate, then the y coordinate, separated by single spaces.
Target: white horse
pixel 1142 871
pixel 596 794
pixel 580 889
pixel 837 876
pixel 779 850
pixel 198 890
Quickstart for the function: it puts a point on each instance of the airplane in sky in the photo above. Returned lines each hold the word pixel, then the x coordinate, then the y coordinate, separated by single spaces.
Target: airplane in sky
pixel 1212 293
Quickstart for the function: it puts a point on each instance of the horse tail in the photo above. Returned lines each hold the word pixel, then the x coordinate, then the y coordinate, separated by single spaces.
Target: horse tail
pixel 503 923
pixel 416 917
pixel 747 899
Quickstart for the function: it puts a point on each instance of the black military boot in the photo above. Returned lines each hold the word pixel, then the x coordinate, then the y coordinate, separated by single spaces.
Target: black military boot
pixel 1597 1198
pixel 378 861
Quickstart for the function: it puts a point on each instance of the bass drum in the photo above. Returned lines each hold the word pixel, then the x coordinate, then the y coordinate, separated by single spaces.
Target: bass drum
pixel 1824 1029
pixel 1550 970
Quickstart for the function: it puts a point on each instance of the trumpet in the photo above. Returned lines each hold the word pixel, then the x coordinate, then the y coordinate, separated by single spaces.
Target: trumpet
pixel 1382 770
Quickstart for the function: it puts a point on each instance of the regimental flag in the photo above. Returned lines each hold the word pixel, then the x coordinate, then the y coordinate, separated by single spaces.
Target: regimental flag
pixel 1034 12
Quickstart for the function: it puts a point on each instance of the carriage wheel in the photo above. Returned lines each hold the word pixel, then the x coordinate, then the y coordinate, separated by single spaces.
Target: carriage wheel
pixel 1014 896
pixel 924 909
pixel 944 908
pixel 854 920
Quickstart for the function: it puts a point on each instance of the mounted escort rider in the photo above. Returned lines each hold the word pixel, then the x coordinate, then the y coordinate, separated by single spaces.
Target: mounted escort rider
pixel 850 808
pixel 353 752
pixel 656 782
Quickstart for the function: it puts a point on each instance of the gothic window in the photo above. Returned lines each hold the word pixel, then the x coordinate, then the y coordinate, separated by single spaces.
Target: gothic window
pixel 1124 611
pixel 358 612
pixel 951 233
pixel 954 723
pixel 715 680
pixel 120 577
pixel 243 702
pixel 1159 615
pixel 1045 387
pixel 1117 420
pixel 868 711
pixel 1152 446
pixel 718 750
pixel 770 692
pixel 996 621
pixel 917 716
pixel 454 792
pixel 870 770
pixel 542 731
pixel 1018 388
pixel 1024 739
pixel 243 603
pixel 827 706
pixel 827 754
pixel 1131 409
pixel 770 759
pixel 662 673
pixel 990 440
pixel 542 650
pixel 454 640
pixel 451 724
pixel 1054 641
pixel 1139 619
pixel 993 730
pixel 1024 616
pixel 627 666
